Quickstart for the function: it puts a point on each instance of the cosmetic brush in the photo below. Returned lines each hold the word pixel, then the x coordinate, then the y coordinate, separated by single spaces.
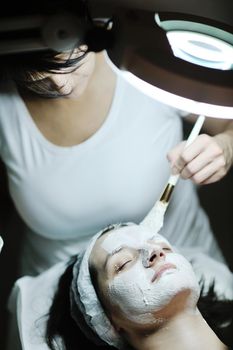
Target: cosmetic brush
pixel 154 219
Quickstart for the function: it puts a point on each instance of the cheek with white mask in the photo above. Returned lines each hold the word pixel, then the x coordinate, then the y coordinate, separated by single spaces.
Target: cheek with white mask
pixel 139 298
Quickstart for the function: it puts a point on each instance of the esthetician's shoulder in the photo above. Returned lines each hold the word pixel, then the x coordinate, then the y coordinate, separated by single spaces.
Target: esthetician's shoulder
pixel 145 97
pixel 145 102
pixel 9 97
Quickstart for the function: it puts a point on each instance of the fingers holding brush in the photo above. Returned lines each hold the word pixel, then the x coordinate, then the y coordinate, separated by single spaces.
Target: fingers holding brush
pixel 204 161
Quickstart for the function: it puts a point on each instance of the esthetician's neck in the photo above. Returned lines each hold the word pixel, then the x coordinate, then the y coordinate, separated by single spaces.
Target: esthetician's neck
pixel 183 332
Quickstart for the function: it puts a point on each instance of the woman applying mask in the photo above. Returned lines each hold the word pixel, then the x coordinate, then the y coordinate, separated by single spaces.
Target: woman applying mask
pixel 82 148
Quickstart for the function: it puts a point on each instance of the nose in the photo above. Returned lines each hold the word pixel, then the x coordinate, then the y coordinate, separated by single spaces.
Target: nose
pixel 152 257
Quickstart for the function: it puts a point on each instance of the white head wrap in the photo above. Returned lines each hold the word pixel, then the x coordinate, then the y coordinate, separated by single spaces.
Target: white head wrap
pixel 83 294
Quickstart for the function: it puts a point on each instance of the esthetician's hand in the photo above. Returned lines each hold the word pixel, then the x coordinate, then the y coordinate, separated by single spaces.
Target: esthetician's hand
pixel 206 160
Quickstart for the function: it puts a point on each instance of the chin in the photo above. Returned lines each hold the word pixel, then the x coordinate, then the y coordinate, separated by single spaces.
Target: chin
pixel 74 96
pixel 77 92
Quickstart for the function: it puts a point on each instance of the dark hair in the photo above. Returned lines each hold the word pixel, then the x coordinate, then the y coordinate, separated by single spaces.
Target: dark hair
pixel 217 313
pixel 28 69
pixel 60 323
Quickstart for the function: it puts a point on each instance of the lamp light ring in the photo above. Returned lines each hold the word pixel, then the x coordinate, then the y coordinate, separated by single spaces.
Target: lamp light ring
pixel 192 26
pixel 199 43
pixel 201 49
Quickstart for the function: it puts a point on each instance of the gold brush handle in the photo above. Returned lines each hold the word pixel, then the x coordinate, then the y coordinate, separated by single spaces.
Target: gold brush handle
pixel 166 195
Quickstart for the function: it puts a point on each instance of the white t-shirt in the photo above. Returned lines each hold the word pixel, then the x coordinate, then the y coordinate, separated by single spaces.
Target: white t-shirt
pixel 67 194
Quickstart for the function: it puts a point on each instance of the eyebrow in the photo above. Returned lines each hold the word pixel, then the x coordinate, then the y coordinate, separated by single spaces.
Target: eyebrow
pixel 114 252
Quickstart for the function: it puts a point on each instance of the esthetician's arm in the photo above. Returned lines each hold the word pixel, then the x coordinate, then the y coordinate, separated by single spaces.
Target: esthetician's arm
pixel 209 157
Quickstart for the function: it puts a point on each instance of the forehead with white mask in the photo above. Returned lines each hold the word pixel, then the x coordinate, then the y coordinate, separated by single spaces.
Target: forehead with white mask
pixel 140 273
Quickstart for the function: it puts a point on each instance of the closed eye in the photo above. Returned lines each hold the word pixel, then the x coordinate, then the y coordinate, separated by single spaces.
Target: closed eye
pixel 167 249
pixel 121 267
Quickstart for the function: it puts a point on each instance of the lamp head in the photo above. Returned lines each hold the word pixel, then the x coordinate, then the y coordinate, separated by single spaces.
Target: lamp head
pixel 197 69
pixel 179 47
pixel 197 42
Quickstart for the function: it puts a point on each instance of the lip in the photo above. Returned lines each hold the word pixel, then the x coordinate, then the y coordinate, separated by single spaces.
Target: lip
pixel 161 270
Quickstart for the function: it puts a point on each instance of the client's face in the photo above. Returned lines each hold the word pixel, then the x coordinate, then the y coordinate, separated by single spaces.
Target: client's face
pixel 139 274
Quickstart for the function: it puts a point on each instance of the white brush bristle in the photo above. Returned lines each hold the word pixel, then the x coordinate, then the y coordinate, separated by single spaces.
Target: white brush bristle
pixel 154 219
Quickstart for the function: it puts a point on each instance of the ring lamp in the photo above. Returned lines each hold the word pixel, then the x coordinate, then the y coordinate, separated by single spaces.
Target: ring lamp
pixel 199 43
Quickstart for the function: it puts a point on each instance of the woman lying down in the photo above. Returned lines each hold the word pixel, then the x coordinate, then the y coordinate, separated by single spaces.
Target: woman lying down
pixel 129 289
